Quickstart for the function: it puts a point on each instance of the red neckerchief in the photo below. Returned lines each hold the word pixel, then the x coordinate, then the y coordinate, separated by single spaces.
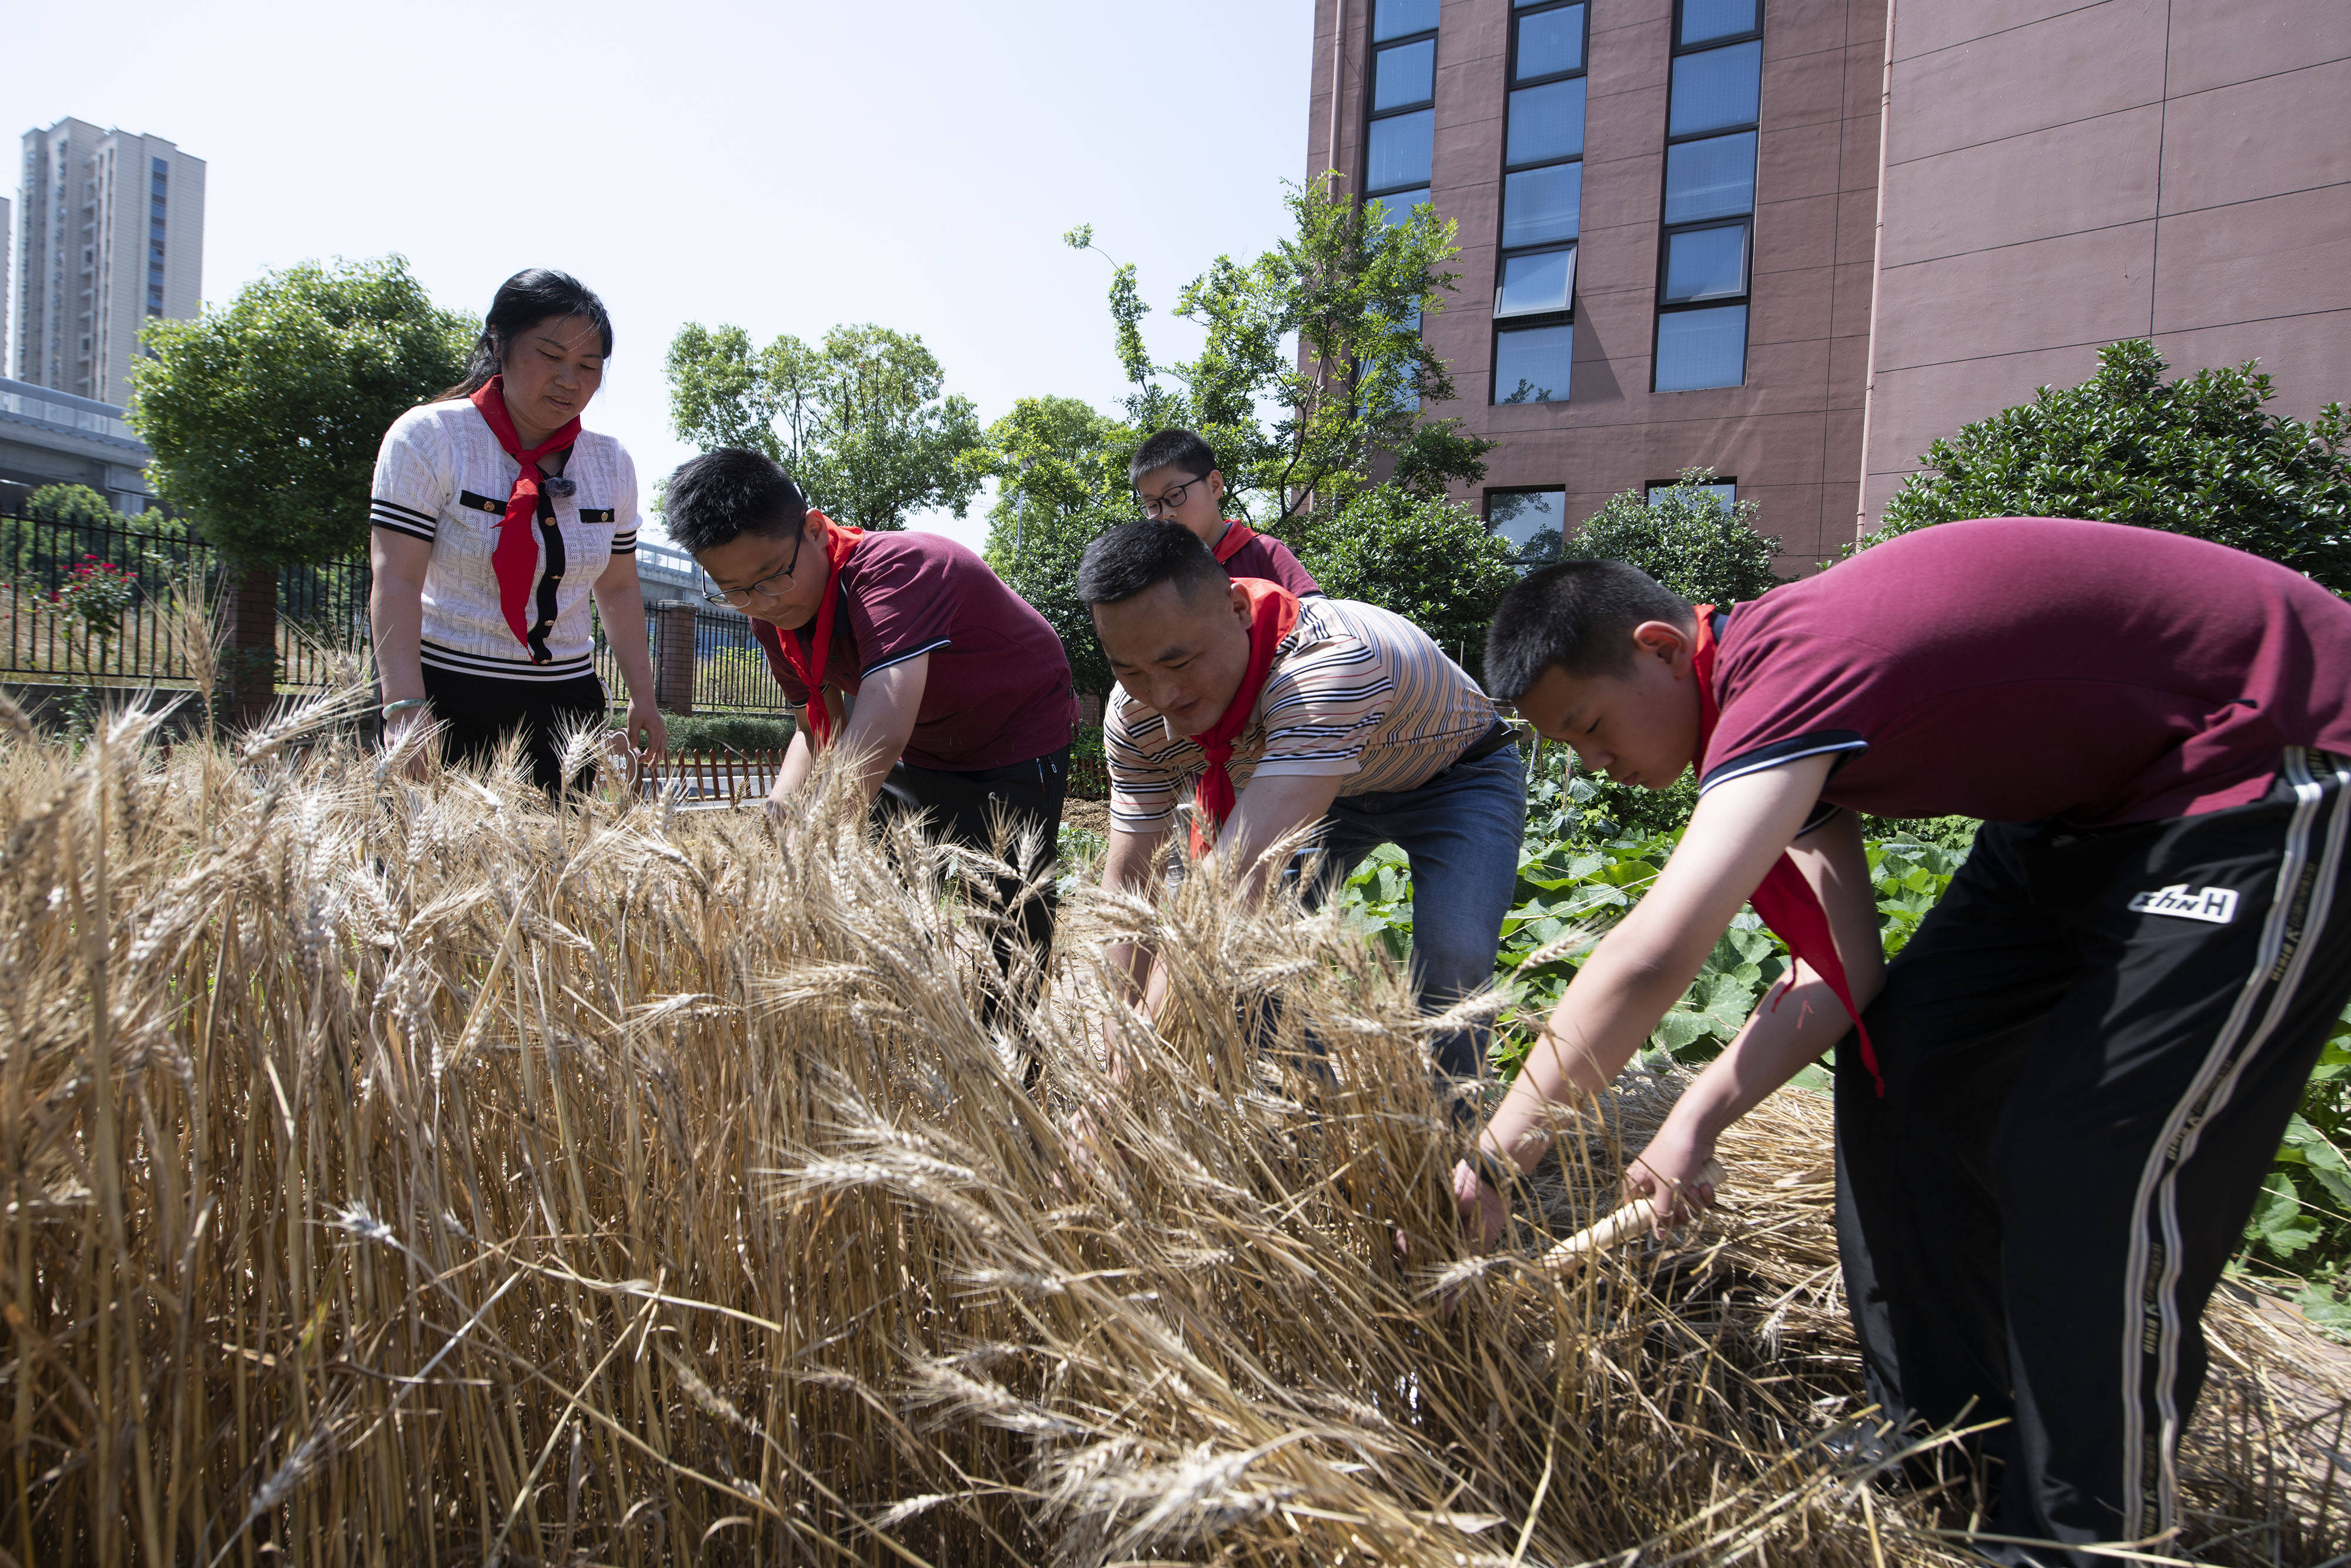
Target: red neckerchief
pixel 1273 611
pixel 808 665
pixel 1228 544
pixel 1784 899
pixel 515 558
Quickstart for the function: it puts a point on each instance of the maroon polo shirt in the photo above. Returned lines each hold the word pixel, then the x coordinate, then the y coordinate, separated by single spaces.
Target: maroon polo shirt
pixel 2023 668
pixel 997 691
pixel 1270 559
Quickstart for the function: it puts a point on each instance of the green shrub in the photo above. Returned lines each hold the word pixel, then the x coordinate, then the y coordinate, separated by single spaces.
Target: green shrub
pixel 2195 455
pixel 1687 539
pixel 1431 561
pixel 728 732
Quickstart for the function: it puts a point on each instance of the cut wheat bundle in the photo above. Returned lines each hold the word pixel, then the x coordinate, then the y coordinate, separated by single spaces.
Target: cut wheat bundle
pixel 401 1173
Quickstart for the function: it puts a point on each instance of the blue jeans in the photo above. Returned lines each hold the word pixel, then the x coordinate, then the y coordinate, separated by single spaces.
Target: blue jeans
pixel 1461 832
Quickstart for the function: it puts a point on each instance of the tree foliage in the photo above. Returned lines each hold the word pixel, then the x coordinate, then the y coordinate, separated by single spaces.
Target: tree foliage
pixel 2194 455
pixel 73 504
pixel 1429 560
pixel 1315 371
pixel 1686 539
pixel 264 417
pixel 861 419
pixel 1061 472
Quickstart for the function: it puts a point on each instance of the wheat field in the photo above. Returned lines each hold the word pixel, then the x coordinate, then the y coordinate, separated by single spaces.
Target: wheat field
pixel 419 1174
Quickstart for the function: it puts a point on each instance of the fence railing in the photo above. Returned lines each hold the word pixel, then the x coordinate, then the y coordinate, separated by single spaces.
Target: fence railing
pixel 705 777
pixel 728 670
pixel 85 602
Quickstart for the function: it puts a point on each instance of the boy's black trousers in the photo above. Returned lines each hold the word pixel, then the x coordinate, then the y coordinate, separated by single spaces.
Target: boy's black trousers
pixel 965 808
pixel 2091 1048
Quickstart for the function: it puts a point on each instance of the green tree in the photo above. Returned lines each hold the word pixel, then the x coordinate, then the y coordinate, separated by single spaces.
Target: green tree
pixel 1060 467
pixel 2194 455
pixel 861 419
pixel 1314 372
pixel 264 417
pixel 1429 560
pixel 1686 539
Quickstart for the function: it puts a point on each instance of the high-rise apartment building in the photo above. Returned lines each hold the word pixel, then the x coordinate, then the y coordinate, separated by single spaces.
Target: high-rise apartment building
pixel 7 239
pixel 1794 241
pixel 113 235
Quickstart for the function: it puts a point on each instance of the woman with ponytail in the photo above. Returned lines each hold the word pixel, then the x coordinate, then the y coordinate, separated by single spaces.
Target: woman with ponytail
pixel 495 516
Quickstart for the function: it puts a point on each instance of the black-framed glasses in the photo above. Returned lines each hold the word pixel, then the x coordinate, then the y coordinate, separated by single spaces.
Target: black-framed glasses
pixel 1156 506
pixel 736 598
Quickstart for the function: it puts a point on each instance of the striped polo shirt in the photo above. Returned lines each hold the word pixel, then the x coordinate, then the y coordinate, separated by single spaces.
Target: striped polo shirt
pixel 1354 691
pixel 441 477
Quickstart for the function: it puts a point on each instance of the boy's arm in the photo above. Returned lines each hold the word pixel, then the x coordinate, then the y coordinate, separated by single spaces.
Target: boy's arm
pixel 876 735
pixel 1643 967
pixel 1792 1026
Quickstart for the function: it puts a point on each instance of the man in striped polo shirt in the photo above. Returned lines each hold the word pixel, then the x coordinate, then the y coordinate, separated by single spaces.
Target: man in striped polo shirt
pixel 1267 714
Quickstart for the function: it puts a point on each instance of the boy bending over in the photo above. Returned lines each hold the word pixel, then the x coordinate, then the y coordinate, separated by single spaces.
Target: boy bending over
pixel 2069 1084
pixel 962 696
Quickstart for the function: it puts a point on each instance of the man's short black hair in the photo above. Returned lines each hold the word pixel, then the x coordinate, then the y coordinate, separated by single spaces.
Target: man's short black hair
pixel 1577 614
pixel 1135 557
pixel 1180 449
pixel 728 492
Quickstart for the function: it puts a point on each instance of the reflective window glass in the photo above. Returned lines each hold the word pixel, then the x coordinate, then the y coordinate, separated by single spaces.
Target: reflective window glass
pixel 1711 178
pixel 1704 19
pixel 1397 205
pixel 1542 205
pixel 1406 74
pixel 1698 349
pixel 1531 364
pixel 1537 283
pixel 1400 150
pixel 1395 18
pixel 1549 42
pixel 1546 122
pixel 1716 88
pixel 1523 517
pixel 1705 264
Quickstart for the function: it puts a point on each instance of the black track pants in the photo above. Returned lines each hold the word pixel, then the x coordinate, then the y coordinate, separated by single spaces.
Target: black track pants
pixel 965 808
pixel 2091 1049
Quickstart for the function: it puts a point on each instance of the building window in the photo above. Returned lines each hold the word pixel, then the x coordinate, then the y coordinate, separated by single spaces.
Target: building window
pixel 1704 250
pixel 1723 490
pixel 1532 520
pixel 1542 204
pixel 1400 141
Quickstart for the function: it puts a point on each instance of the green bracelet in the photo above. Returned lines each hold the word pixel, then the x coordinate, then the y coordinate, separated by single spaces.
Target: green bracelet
pixel 404 704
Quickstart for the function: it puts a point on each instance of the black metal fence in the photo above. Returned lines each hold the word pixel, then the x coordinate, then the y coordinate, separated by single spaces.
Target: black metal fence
pixel 82 601
pixel 86 601
pixel 730 671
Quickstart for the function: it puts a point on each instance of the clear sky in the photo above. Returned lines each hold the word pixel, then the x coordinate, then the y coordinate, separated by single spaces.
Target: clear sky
pixel 782 166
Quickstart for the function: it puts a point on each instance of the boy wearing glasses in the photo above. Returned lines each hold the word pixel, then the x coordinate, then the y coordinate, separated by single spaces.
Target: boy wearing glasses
pixel 952 694
pixel 1176 479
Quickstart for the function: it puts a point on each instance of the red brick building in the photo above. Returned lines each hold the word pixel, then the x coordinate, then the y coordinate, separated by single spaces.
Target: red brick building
pixel 1795 240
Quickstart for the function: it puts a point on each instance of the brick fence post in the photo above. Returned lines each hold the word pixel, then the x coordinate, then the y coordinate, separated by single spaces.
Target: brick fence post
pixel 253 644
pixel 674 660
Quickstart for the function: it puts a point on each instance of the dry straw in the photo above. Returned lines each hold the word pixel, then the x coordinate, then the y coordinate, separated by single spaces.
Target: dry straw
pixel 421 1175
